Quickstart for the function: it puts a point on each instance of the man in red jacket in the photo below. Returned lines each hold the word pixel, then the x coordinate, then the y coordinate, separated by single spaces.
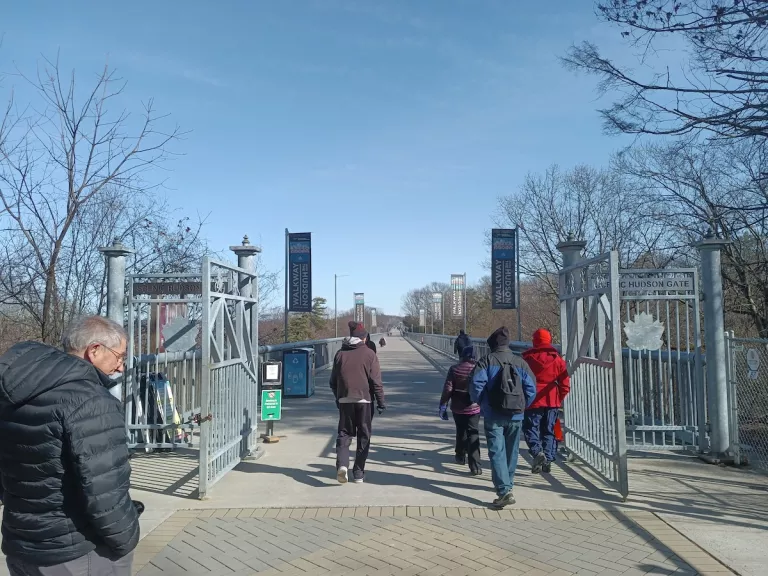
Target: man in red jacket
pixel 552 386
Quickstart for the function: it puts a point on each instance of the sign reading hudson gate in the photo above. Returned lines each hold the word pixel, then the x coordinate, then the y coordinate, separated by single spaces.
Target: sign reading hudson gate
pixel 656 282
pixel 300 272
pixel 503 257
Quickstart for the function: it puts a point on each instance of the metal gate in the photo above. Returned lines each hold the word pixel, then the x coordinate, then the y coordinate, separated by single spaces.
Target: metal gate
pixel 229 369
pixel 163 360
pixel 591 332
pixel 663 372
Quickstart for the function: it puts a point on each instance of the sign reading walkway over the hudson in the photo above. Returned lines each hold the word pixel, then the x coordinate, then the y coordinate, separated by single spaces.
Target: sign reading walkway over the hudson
pixel 300 275
pixel 503 260
pixel 655 282
pixel 360 307
pixel 457 295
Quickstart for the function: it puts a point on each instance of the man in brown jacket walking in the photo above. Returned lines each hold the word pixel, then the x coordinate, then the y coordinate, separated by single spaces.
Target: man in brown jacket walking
pixel 356 382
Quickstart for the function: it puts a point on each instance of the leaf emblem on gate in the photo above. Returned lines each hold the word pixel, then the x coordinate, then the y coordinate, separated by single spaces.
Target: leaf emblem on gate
pixel 644 333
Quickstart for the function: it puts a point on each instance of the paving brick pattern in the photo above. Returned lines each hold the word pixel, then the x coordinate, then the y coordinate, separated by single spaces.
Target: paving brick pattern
pixel 411 541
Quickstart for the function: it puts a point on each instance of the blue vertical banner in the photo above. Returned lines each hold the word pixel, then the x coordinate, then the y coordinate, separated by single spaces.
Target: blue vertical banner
pixel 503 269
pixel 300 272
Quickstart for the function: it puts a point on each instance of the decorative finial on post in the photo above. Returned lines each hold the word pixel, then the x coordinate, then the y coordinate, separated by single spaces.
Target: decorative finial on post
pixel 246 242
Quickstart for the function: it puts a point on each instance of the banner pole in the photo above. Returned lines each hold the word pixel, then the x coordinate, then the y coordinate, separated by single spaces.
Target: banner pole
pixel 465 302
pixel 287 265
pixel 517 287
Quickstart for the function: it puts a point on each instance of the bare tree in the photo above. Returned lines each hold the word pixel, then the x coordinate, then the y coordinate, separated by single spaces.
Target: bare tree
pixel 595 205
pixel 692 186
pixel 61 158
pixel 722 87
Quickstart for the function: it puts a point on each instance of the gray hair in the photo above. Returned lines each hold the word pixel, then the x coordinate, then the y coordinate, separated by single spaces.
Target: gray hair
pixel 88 330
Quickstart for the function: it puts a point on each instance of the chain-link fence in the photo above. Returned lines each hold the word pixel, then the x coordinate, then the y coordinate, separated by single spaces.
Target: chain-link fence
pixel 748 398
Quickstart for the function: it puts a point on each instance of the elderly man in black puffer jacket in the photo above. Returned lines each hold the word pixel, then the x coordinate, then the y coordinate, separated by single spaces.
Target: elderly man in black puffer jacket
pixel 63 456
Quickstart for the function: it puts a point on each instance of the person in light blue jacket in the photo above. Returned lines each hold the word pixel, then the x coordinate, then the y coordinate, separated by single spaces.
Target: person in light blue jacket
pixel 503 386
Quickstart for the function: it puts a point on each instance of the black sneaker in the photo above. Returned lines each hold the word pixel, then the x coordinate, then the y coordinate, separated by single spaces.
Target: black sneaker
pixel 538 462
pixel 503 501
pixel 477 472
pixel 358 477
pixel 460 459
pixel 547 468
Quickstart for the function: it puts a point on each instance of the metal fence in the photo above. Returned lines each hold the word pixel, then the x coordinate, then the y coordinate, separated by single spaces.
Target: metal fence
pixel 747 372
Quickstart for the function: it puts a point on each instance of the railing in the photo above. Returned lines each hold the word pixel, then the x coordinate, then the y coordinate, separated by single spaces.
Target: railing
pixel 176 421
pixel 669 371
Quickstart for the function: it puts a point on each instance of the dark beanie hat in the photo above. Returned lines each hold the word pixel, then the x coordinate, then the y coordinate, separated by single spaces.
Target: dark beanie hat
pixel 357 330
pixel 468 353
pixel 499 339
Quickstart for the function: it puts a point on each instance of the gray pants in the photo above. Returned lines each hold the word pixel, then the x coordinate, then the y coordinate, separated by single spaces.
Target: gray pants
pixel 92 564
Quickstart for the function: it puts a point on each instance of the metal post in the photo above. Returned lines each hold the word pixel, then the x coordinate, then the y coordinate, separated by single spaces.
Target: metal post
pixel 517 291
pixel 335 305
pixel 287 264
pixel 571 250
pixel 245 253
pixel 442 312
pixel 714 330
pixel 465 302
pixel 116 280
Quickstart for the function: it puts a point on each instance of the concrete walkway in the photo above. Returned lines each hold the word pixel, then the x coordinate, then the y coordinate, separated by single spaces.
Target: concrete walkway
pixel 678 505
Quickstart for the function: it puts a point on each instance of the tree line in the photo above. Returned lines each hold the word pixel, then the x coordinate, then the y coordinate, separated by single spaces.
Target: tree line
pixel 699 165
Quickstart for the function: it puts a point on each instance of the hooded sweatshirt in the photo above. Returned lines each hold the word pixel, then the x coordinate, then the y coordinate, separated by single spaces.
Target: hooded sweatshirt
pixel 63 459
pixel 552 380
pixel 356 373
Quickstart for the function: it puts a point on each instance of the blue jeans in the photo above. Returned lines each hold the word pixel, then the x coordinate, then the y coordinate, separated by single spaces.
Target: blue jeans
pixel 539 431
pixel 503 438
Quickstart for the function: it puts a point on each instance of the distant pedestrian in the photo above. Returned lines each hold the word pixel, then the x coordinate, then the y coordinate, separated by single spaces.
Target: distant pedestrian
pixel 355 382
pixel 504 387
pixel 382 342
pixel 466 414
pixel 462 341
pixel 370 343
pixel 552 386
pixel 64 458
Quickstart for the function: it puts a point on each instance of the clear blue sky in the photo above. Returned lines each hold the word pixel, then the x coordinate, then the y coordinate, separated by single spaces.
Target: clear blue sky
pixel 386 128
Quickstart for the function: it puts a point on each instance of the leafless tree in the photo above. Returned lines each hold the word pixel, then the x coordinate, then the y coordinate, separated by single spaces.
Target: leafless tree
pixel 721 88
pixel 692 186
pixel 595 205
pixel 62 158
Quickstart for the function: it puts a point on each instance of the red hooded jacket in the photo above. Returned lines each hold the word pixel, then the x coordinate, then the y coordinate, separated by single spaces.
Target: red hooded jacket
pixel 552 380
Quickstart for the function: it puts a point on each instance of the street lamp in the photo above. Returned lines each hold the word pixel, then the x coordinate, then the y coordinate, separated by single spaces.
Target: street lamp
pixel 336 302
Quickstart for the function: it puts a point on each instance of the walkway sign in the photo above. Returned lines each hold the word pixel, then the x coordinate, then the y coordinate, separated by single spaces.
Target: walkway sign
pixel 360 307
pixel 437 306
pixel 457 293
pixel 300 272
pixel 271 405
pixel 422 317
pixel 503 269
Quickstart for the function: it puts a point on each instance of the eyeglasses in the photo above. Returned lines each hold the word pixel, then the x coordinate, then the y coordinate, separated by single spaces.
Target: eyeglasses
pixel 120 357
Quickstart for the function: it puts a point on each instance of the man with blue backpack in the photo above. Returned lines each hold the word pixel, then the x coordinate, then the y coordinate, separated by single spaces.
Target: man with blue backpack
pixel 503 386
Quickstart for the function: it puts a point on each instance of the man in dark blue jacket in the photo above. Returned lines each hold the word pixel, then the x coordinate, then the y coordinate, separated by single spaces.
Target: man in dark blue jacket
pixel 504 387
pixel 461 342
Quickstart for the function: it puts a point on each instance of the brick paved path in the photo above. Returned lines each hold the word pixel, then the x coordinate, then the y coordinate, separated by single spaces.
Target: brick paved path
pixel 417 540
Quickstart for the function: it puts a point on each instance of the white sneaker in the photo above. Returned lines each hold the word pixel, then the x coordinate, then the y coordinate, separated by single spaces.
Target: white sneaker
pixel 341 475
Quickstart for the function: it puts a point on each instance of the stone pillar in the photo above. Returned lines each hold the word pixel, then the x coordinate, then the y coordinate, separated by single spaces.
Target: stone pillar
pixel 571 249
pixel 116 280
pixel 710 248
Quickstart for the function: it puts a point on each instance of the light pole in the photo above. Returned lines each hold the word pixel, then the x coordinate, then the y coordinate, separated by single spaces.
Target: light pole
pixel 336 302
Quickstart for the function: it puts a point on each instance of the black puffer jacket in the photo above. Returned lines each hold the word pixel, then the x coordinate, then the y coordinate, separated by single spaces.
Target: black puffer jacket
pixel 63 459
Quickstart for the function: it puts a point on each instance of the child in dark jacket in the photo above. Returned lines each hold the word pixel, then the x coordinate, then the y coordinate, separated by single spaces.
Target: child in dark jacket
pixel 466 414
pixel 552 386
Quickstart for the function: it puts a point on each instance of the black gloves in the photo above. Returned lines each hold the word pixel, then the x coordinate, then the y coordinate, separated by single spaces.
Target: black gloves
pixel 139 507
pixel 380 409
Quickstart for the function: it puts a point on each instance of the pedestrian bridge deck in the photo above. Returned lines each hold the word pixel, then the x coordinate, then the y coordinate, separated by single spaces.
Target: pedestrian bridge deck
pixel 411 472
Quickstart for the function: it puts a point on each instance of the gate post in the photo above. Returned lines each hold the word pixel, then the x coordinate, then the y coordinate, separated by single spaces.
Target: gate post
pixel 571 250
pixel 245 253
pixel 116 280
pixel 710 248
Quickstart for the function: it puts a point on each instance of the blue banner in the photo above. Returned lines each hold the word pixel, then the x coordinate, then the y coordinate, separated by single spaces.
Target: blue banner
pixel 300 272
pixel 503 269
